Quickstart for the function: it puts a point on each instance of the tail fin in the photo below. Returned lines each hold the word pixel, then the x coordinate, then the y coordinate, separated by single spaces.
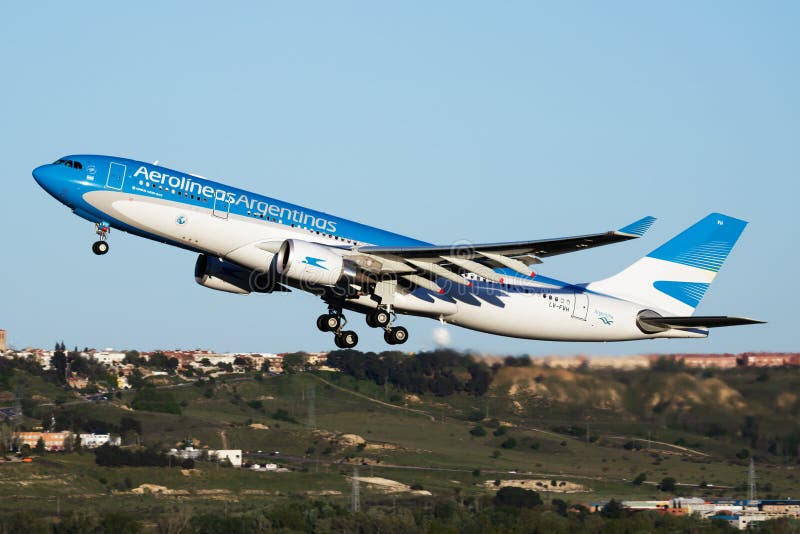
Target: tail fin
pixel 675 276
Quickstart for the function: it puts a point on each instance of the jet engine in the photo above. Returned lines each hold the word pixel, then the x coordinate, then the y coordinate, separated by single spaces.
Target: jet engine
pixel 222 275
pixel 312 263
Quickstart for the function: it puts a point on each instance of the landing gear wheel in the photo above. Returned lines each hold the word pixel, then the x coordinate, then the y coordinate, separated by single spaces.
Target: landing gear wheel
pixel 322 323
pixel 346 340
pixel 396 336
pixel 378 318
pixel 100 247
pixel 329 322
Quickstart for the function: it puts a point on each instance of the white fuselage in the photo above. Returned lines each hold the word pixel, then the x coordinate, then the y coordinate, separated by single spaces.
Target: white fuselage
pixel 537 308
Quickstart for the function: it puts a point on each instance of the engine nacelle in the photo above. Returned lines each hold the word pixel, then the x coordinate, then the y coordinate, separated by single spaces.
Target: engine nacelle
pixel 312 263
pixel 223 275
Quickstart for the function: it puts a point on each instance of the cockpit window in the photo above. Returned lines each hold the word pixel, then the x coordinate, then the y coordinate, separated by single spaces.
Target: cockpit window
pixel 69 163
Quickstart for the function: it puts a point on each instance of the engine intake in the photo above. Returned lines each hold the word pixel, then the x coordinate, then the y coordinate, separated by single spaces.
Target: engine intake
pixel 222 275
pixel 315 264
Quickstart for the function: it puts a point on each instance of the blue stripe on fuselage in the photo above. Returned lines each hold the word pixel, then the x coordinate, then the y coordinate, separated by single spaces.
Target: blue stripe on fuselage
pixel 138 182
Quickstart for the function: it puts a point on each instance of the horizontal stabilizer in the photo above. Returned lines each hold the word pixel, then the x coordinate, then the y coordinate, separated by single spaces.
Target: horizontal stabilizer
pixel 710 321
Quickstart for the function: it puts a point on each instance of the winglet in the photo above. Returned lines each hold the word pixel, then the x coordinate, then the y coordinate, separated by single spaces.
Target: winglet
pixel 639 227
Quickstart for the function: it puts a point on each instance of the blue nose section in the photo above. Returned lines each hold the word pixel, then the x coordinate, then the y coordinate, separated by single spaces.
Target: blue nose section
pixel 46 177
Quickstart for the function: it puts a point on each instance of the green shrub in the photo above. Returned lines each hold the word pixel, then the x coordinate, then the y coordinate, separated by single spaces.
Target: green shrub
pixel 478 431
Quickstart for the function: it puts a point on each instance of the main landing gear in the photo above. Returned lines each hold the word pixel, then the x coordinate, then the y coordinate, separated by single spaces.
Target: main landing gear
pixel 383 318
pixel 101 247
pixel 334 321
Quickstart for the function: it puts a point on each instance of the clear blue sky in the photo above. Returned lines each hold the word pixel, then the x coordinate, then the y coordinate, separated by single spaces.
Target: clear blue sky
pixel 444 121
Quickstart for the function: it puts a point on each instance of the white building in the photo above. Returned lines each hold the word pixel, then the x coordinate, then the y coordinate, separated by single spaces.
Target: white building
pixel 188 452
pixel 234 456
pixel 215 359
pixel 92 441
pixel 109 358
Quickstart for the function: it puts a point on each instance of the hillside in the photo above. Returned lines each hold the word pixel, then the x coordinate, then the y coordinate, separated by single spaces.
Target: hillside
pixel 575 435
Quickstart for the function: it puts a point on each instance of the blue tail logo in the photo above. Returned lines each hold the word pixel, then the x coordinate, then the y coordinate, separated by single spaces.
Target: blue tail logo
pixel 704 245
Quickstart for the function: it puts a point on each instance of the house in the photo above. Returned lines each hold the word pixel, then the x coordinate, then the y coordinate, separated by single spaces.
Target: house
pixel 766 360
pixel 77 382
pixel 122 382
pixel 53 441
pixel 708 361
pixel 108 358
pixel 784 506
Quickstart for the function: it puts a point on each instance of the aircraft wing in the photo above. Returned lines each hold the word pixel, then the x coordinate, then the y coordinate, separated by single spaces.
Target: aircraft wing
pixel 423 264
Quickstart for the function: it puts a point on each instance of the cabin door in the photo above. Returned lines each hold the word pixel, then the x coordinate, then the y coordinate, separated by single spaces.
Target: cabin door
pixel 221 205
pixel 116 176
pixel 581 308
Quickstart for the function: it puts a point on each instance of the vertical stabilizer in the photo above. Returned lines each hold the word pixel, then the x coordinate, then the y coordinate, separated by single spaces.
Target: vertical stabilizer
pixel 675 276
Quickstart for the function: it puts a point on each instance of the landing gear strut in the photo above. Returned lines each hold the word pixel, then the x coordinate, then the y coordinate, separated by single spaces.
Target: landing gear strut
pixel 334 321
pixel 101 247
pixel 383 317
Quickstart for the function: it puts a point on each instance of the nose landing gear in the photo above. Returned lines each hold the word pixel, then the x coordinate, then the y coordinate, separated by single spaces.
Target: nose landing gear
pixel 101 247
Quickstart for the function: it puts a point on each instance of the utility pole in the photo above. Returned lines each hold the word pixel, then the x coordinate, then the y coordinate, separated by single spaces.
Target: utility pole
pixel 356 493
pixel 312 412
pixel 751 481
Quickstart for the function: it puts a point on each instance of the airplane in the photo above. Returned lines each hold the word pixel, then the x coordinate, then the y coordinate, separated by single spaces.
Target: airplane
pixel 250 243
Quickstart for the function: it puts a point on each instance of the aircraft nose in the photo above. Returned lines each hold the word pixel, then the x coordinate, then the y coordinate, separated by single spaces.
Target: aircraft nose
pixel 45 176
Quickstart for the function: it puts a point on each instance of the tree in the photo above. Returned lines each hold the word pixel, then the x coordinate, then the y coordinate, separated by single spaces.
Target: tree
pixel 294 362
pixel 157 360
pixel 750 430
pixel 40 446
pixel 59 363
pixel 510 443
pixel 667 484
pixel 172 364
pixel 640 478
pixel 613 510
pixel 130 424
pixel 478 431
pixel 560 506
pixel 132 357
pixel 517 498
